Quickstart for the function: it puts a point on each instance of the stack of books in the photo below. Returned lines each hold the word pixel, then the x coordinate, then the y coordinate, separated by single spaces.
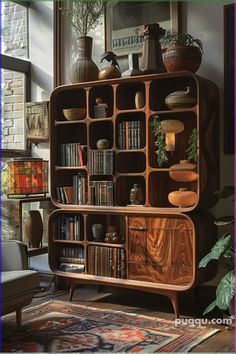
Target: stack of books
pixel 130 135
pixel 100 110
pixel 101 192
pixel 69 227
pixel 101 162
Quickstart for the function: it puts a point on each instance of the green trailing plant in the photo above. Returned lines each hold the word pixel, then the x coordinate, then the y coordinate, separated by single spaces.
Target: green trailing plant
pixel 84 15
pixel 159 141
pixel 192 147
pixel 176 39
pixel 222 252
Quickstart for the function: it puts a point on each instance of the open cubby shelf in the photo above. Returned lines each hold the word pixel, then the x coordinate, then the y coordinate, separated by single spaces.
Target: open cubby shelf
pixel 97 235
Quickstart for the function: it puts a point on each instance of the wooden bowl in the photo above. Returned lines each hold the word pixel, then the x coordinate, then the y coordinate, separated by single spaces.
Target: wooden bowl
pixel 74 113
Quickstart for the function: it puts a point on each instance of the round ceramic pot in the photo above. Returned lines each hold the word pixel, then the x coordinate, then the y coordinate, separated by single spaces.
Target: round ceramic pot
pixel 102 144
pixel 97 230
pixel 180 99
pixel 183 198
pixel 180 58
pixel 33 228
pixel 183 172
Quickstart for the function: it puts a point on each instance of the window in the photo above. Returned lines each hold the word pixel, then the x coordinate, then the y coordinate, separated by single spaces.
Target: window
pixel 14 73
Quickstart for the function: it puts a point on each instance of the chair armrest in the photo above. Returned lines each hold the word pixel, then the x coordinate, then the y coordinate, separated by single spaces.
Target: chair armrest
pixel 14 255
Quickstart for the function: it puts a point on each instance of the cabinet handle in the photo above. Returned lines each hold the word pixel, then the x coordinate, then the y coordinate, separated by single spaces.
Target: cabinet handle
pixel 138 228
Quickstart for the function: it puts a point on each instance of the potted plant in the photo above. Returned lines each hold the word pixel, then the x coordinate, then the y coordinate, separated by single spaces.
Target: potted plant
pixel 84 16
pixel 159 141
pixel 181 52
pixel 223 252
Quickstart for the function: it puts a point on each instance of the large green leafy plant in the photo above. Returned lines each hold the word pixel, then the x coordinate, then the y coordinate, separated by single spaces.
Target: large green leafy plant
pixel 223 252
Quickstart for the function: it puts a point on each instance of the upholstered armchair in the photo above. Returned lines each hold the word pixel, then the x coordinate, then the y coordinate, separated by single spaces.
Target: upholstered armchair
pixel 17 281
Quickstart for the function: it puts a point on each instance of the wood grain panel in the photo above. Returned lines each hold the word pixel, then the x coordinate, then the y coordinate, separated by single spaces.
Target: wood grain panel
pixel 137 240
pixel 158 274
pixel 158 240
pixel 182 244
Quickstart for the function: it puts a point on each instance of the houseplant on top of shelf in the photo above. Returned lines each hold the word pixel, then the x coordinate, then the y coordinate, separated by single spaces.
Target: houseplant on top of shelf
pixel 84 16
pixel 223 252
pixel 181 52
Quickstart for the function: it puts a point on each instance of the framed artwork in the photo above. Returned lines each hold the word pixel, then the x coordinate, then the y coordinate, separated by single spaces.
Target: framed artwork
pixel 229 78
pixel 124 23
pixel 37 121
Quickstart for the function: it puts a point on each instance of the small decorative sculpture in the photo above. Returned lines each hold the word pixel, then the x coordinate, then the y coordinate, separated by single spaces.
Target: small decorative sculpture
pixel 133 60
pixel 97 230
pixel 112 236
pixel 109 72
pixel 152 61
pixel 136 195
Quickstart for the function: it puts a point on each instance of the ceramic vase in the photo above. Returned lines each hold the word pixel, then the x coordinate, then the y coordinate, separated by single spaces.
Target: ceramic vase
pixel 136 195
pixel 139 100
pixel 180 99
pixel 84 69
pixel 183 172
pixel 33 228
pixel 97 230
pixel 183 198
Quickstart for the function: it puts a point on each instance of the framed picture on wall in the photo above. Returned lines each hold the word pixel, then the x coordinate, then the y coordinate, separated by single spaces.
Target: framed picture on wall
pixel 229 63
pixel 37 121
pixel 124 23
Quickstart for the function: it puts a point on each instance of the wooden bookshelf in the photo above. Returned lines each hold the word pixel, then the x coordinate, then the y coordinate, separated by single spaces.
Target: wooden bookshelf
pixel 159 244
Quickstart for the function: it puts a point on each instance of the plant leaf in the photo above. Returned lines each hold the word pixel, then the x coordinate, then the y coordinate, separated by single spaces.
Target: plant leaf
pixel 225 291
pixel 225 192
pixel 220 247
pixel 224 220
pixel 210 307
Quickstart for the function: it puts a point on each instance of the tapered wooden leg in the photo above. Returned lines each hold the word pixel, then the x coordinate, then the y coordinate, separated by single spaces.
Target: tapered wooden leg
pixel 18 318
pixel 175 303
pixel 72 289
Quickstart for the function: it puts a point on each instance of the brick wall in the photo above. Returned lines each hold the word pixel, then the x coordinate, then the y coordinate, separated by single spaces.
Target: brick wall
pixel 14 43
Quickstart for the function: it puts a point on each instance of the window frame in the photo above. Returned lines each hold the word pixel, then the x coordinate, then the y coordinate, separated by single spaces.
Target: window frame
pixel 23 66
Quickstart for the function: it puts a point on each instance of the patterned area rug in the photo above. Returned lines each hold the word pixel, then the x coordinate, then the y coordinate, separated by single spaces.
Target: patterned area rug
pixel 59 327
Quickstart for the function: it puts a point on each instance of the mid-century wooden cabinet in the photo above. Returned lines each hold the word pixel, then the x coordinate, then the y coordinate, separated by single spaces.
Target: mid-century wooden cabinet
pixel 159 245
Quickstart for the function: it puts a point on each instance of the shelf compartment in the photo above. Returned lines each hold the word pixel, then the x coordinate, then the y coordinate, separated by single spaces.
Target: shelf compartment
pixel 69 227
pixel 130 131
pixel 73 133
pixel 130 162
pixel 106 94
pixel 101 162
pixel 162 185
pixel 70 187
pixel 106 261
pixel 125 95
pixel 123 187
pixel 101 190
pixel 107 221
pixel 69 99
pixel 181 139
pixel 161 88
pixel 100 130
pixel 71 155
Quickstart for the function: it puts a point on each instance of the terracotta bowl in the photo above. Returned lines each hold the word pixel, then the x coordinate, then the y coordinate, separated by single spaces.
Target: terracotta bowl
pixel 75 113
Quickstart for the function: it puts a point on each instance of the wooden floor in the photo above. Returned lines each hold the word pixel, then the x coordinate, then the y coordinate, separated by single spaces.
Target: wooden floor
pixel 141 303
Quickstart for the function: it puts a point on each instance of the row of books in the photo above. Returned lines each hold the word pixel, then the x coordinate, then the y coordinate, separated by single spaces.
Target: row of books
pixel 107 261
pixel 130 135
pixel 72 154
pixel 101 193
pixel 72 255
pixel 69 228
pixel 75 194
pixel 101 162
